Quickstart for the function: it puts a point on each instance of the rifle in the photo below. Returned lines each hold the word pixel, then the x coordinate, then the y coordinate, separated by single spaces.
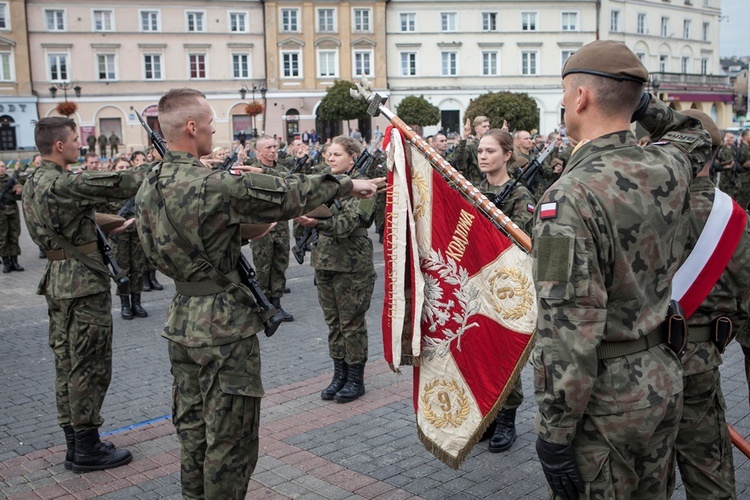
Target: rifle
pixel 526 177
pixel 229 160
pixel 9 185
pixel 246 271
pixel 299 164
pixel 109 260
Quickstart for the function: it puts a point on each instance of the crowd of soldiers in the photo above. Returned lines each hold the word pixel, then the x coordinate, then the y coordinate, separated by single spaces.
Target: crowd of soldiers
pixel 624 397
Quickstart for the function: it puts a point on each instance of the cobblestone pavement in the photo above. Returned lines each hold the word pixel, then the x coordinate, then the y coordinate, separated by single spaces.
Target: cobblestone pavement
pixel 310 449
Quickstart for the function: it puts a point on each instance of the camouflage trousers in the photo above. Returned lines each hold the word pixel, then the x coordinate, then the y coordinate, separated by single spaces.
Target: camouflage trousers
pixel 515 398
pixel 129 255
pixel 10 231
pixel 216 412
pixel 628 455
pixel 271 260
pixel 704 448
pixel 345 299
pixel 80 335
pixel 746 352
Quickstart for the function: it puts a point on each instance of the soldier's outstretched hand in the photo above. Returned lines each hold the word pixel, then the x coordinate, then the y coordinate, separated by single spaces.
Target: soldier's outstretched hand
pixel 365 188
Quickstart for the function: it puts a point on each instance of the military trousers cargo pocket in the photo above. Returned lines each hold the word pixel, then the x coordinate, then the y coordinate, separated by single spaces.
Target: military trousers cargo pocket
pixel 594 468
pixel 240 385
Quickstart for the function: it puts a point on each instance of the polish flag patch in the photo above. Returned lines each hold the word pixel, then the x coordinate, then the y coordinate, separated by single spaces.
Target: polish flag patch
pixel 530 208
pixel 548 210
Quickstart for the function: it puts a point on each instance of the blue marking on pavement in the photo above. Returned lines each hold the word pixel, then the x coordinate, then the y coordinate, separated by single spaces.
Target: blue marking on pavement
pixel 135 426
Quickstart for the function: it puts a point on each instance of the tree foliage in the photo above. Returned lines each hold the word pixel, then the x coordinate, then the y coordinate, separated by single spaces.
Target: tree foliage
pixel 519 110
pixel 337 104
pixel 418 111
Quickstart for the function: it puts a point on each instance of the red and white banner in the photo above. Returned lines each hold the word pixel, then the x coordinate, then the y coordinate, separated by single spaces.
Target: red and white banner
pixel 459 299
pixel 716 244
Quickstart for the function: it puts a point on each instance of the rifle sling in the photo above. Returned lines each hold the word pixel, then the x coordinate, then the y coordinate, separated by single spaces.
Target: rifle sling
pixel 222 282
pixel 62 254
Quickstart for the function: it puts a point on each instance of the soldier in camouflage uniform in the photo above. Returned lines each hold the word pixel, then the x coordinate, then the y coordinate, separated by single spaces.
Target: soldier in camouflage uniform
pixel 607 244
pixel 704 448
pixel 10 220
pixel 494 154
pixel 743 197
pixel 211 329
pixel 729 182
pixel 465 154
pixel 345 275
pixel 59 210
pixel 271 253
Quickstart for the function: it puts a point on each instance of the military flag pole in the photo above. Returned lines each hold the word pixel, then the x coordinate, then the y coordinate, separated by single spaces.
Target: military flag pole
pixel 453 176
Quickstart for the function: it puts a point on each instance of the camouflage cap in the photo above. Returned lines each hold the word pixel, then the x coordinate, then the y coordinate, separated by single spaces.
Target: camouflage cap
pixel 609 59
pixel 707 123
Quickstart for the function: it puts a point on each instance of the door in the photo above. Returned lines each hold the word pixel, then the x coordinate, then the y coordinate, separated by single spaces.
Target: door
pixel 7 133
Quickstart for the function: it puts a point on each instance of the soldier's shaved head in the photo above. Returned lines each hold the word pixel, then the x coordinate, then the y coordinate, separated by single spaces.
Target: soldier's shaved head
pixel 176 108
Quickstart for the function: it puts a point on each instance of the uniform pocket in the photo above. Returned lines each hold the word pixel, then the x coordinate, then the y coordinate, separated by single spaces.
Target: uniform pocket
pixel 266 187
pixel 241 384
pixel 594 467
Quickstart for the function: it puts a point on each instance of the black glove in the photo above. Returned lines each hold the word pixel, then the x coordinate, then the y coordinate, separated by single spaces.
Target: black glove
pixel 640 111
pixel 559 465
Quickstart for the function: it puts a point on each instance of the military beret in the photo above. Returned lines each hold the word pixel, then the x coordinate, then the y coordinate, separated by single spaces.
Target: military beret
pixel 707 123
pixel 609 59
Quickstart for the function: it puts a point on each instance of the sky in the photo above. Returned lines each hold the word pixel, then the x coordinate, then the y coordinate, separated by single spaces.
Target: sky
pixel 735 15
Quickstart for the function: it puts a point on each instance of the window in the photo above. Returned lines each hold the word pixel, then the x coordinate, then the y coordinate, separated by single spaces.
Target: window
pixel 528 21
pixel 570 21
pixel 105 64
pixel 290 64
pixel 362 20
pixel 706 31
pixel 103 20
pixel 195 21
pixel 408 22
pixel 663 63
pixel 641 56
pixel 152 66
pixel 685 64
pixel 326 21
pixel 197 66
pixel 290 20
pixel 58 67
pixel 6 68
pixel 641 24
pixel 240 66
pixel 614 20
pixel 448 21
pixel 564 55
pixel 529 62
pixel 489 21
pixel 408 64
pixel 449 63
pixel 704 66
pixel 665 26
pixel 362 63
pixel 4 17
pixel 150 20
pixel 489 63
pixel 55 20
pixel 238 22
pixel 327 63
pixel 686 25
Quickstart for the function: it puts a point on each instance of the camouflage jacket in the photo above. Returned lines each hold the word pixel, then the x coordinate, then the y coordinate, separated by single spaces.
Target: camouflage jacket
pixel 465 160
pixel 9 202
pixel 337 248
pixel 278 170
pixel 730 295
pixel 606 251
pixel 726 155
pixel 520 204
pixel 209 206
pixel 66 201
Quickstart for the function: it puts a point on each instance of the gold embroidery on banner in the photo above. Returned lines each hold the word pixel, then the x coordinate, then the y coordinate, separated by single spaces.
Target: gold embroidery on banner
pixel 444 403
pixel 419 183
pixel 460 239
pixel 511 295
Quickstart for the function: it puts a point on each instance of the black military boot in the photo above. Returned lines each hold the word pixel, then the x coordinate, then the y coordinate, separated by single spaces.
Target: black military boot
pixel 339 379
pixel 505 431
pixel 135 306
pixel 276 302
pixel 14 265
pixel 92 454
pixel 6 265
pixel 70 452
pixel 146 282
pixel 125 310
pixel 355 384
pixel 155 285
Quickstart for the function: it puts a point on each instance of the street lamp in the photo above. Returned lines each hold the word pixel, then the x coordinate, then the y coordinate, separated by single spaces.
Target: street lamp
pixel 65 86
pixel 263 91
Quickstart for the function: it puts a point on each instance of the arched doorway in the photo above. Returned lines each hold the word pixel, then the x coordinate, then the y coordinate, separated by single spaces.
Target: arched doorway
pixel 7 133
pixel 292 124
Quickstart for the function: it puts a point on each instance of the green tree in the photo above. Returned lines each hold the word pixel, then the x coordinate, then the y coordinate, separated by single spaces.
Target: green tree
pixel 418 111
pixel 337 104
pixel 519 110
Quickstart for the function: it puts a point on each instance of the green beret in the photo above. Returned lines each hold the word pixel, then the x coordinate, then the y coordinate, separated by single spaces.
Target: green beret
pixel 609 59
pixel 707 123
